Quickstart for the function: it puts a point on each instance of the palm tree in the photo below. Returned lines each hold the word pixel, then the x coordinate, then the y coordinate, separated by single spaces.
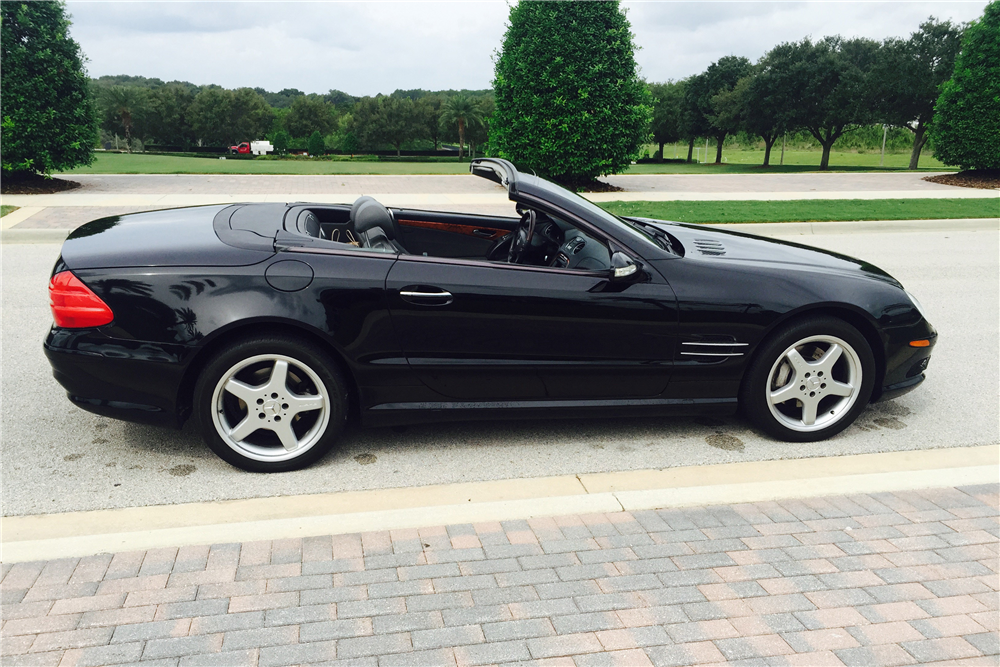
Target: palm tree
pixel 463 111
pixel 124 103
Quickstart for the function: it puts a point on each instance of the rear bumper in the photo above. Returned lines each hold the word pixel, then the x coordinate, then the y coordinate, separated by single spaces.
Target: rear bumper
pixel 116 380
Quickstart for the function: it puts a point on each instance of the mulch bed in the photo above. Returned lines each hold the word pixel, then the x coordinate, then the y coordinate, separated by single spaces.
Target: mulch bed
pixel 35 184
pixel 984 179
pixel 599 186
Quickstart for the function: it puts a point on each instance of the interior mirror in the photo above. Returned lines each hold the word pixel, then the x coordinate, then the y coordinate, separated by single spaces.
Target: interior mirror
pixel 622 266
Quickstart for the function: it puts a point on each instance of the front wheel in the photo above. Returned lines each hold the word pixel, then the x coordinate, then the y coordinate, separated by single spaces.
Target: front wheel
pixel 810 381
pixel 271 404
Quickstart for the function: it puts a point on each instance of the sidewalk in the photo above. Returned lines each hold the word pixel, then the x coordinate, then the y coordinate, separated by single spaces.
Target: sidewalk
pixel 865 579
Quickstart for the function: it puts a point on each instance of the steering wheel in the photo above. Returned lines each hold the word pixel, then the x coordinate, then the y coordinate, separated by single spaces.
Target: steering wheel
pixel 522 237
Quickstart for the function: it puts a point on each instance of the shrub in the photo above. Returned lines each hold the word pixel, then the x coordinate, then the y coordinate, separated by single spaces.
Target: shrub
pixel 966 128
pixel 569 101
pixel 49 123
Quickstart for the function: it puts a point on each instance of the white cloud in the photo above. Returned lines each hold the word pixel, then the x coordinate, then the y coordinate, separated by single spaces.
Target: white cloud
pixel 367 48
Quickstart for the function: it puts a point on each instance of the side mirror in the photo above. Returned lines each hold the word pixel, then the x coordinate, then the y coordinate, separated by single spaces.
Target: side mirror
pixel 623 269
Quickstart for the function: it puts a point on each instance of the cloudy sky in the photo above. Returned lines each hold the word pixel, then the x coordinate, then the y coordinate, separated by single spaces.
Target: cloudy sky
pixel 364 48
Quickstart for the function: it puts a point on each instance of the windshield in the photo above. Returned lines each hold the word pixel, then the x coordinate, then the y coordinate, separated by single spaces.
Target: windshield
pixel 630 229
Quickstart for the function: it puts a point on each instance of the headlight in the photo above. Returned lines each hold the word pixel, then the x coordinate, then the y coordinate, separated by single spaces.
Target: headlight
pixel 916 304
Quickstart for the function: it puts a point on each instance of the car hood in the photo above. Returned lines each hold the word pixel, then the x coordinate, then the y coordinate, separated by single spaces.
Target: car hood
pixel 725 245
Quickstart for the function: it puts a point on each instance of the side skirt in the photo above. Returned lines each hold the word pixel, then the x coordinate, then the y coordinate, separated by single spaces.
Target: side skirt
pixel 390 414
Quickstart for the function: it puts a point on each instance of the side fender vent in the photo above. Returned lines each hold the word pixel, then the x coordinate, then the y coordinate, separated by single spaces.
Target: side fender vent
pixel 709 247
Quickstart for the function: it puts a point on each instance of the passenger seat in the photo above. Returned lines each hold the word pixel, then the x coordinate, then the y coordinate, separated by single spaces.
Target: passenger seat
pixel 374 227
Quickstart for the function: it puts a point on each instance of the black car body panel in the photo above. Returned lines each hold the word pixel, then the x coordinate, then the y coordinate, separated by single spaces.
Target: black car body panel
pixel 509 341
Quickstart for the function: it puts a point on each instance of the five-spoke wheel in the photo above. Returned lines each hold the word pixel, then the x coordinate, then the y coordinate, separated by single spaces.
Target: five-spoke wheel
pixel 271 404
pixel 810 380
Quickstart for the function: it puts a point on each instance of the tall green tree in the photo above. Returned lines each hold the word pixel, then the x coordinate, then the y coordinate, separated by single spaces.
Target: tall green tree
pixel 668 110
pixel 460 112
pixel 909 74
pixel 428 110
pixel 721 76
pixel 569 100
pixel 222 117
pixel 307 115
pixel 763 110
pixel 316 145
pixel 825 88
pixel 48 118
pixel 124 107
pixel 167 120
pixel 384 120
pixel 966 129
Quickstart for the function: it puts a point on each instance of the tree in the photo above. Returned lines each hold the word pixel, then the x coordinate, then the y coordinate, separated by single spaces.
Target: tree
pixel 569 101
pixel 384 120
pixel 966 129
pixel 477 134
pixel 48 118
pixel 280 141
pixel 460 111
pixel 316 145
pixel 307 115
pixel 763 108
pixel 825 88
pixel 693 124
pixel 909 74
pixel 167 121
pixel 668 110
pixel 124 106
pixel 721 76
pixel 222 117
pixel 428 110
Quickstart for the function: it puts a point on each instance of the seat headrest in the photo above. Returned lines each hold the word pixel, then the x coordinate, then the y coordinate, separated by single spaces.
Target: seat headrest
pixel 371 215
pixel 308 223
pixel 358 204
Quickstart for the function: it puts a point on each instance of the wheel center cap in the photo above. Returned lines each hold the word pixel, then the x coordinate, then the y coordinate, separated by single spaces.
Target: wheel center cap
pixel 812 383
pixel 272 407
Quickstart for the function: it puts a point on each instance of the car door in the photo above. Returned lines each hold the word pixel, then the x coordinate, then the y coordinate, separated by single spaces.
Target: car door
pixel 480 331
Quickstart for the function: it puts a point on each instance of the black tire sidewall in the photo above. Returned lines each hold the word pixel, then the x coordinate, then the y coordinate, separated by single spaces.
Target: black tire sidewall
pixel 304 352
pixel 753 401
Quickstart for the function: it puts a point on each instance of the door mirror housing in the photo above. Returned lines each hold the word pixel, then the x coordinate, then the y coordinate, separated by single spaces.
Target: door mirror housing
pixel 623 268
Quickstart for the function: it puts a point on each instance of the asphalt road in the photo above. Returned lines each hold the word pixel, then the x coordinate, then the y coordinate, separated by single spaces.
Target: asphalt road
pixel 58 458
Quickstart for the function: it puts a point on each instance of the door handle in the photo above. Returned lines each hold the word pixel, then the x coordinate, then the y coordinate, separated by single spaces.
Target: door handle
pixel 426 296
pixel 485 233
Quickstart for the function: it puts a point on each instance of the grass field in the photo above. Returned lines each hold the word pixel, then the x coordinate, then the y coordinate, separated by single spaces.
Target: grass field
pixel 738 161
pixel 808 210
pixel 4 210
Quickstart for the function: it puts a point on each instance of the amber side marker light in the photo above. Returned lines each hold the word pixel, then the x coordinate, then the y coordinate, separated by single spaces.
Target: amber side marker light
pixel 74 306
pixel 920 343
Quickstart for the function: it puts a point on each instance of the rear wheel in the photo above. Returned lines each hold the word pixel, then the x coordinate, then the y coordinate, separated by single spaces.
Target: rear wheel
pixel 810 381
pixel 271 404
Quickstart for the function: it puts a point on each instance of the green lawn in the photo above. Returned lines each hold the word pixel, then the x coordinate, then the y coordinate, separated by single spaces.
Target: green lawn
pixel 737 161
pixel 5 209
pixel 808 210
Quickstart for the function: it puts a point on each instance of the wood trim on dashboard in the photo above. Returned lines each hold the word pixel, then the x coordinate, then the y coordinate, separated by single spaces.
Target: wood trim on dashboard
pixel 468 230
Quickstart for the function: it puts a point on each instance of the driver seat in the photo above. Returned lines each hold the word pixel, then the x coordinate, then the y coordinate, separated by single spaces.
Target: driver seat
pixel 375 228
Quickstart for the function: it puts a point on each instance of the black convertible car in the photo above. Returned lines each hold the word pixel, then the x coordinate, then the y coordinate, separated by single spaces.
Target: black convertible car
pixel 272 324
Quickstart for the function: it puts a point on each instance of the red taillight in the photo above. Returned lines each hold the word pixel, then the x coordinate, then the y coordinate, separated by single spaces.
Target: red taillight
pixel 74 306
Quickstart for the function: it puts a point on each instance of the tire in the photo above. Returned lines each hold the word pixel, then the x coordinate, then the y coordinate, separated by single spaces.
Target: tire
pixel 787 391
pixel 271 404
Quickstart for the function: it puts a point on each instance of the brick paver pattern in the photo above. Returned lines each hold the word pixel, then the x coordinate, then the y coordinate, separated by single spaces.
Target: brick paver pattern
pixel 878 579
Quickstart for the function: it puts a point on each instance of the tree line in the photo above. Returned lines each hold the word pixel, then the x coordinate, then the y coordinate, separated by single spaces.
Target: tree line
pixel 827 88
pixel 566 98
pixel 179 114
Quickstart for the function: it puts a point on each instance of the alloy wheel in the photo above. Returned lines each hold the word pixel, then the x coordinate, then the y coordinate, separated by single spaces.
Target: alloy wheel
pixel 270 407
pixel 814 383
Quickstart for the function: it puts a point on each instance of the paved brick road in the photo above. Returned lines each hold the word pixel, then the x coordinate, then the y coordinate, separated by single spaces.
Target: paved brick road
pixel 886 579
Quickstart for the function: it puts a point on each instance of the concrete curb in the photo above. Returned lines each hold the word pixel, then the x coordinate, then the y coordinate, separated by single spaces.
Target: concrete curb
pixel 17 236
pixel 76 534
